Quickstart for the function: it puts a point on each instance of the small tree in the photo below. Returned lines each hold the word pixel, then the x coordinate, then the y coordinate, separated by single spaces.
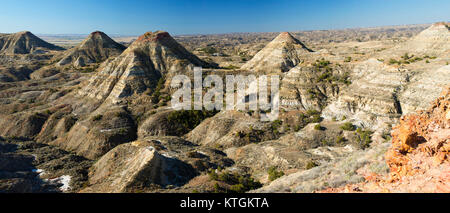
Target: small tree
pixel 348 127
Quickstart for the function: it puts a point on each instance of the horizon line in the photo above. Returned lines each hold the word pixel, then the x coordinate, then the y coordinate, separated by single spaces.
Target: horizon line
pixel 225 33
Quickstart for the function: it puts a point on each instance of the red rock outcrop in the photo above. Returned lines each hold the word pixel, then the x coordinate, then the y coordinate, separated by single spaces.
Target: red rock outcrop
pixel 419 156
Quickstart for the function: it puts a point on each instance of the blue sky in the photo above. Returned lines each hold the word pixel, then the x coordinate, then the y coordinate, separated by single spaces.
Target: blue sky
pixel 134 17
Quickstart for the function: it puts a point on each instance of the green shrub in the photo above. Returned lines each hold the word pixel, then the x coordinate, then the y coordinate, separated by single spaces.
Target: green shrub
pixel 156 96
pixel 340 140
pixel 311 164
pixel 276 124
pixel 322 63
pixel 393 61
pixel 324 142
pixel 311 116
pixel 348 59
pixel 348 127
pixel 364 138
pixel 209 50
pixel 317 127
pixel 238 183
pixel 189 119
pixel 97 117
pixel 274 173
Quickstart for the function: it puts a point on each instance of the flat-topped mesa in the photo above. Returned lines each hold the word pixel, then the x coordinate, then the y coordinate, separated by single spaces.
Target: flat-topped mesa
pixel 24 42
pixel 280 55
pixel 96 48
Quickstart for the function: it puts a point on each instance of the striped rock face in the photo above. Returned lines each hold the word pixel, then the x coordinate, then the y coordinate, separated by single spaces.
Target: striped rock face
pixel 371 99
pixel 24 43
pixel 280 55
pixel 140 66
pixel 380 92
pixel 433 41
pixel 96 48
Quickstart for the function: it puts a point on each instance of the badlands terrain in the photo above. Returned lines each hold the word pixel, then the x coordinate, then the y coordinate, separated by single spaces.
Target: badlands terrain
pixel 361 110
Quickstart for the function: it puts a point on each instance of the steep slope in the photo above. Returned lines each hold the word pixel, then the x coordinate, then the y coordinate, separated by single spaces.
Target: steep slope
pixel 423 89
pixel 433 41
pixel 96 48
pixel 152 163
pixel 104 118
pixel 371 100
pixel 419 156
pixel 24 43
pixel 380 91
pixel 280 55
pixel 310 87
pixel 140 66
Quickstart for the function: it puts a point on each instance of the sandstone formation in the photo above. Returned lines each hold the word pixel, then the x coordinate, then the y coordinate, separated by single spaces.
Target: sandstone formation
pixel 433 41
pixel 280 55
pixel 151 163
pixel 70 129
pixel 230 129
pixel 140 66
pixel 96 48
pixel 135 165
pixel 311 87
pixel 24 43
pixel 419 156
pixel 372 99
pixel 101 133
pixel 380 91
pixel 423 88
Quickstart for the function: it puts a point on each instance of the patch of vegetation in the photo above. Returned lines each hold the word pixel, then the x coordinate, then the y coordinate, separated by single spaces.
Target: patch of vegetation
pixel 276 124
pixel 231 67
pixel 252 136
pixel 340 140
pixel 189 119
pixel 348 127
pixel 363 138
pixel 310 116
pixel 318 127
pixel 310 164
pixel 97 118
pixel 348 59
pixel 209 50
pixel 156 96
pixel 322 63
pixel 408 59
pixel 274 173
pixel 393 61
pixel 238 183
pixel 326 74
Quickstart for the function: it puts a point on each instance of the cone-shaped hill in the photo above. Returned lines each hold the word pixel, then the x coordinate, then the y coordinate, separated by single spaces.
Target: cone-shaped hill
pixel 96 48
pixel 280 55
pixel 433 41
pixel 140 66
pixel 24 43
